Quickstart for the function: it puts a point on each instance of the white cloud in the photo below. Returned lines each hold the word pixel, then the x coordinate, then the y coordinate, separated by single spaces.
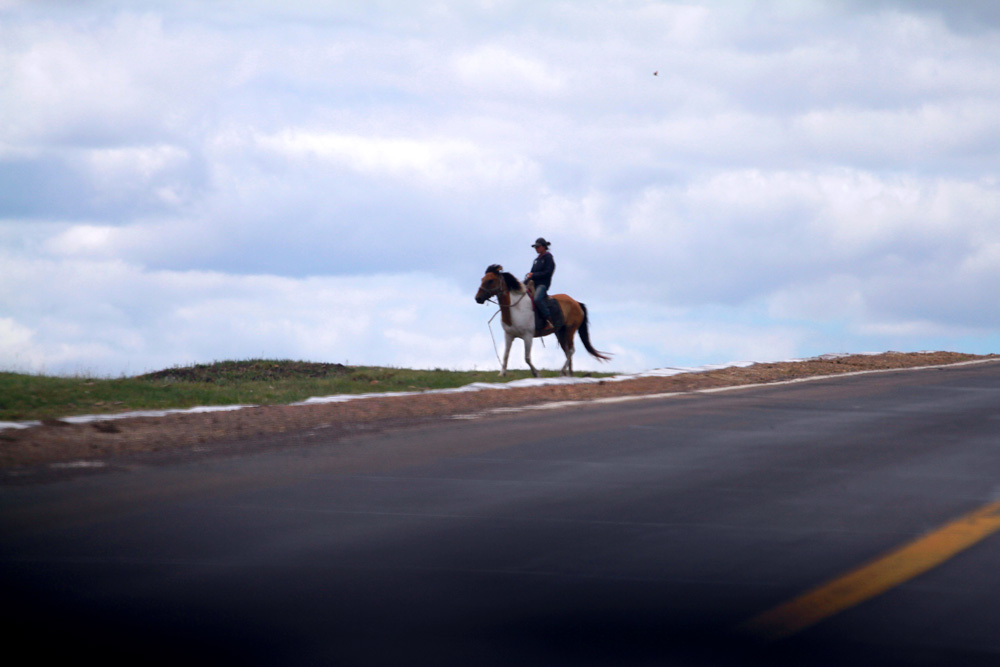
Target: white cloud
pixel 892 136
pixel 795 174
pixel 16 349
pixel 112 165
pixel 500 71
pixel 115 78
pixel 697 337
pixel 109 317
pixel 441 162
pixel 87 240
pixel 741 234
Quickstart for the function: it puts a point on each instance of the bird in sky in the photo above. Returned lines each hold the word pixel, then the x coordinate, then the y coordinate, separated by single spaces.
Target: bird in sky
pixel 656 73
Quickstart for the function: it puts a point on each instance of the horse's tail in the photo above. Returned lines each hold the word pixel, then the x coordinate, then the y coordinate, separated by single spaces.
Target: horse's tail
pixel 585 337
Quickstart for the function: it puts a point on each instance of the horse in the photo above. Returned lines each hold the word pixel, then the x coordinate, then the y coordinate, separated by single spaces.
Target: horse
pixel 518 316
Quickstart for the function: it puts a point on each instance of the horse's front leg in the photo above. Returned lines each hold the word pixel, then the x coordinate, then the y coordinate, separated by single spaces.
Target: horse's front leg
pixel 527 354
pixel 508 341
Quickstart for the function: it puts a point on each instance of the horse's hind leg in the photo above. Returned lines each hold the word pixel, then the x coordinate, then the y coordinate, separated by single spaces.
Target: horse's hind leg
pixel 565 336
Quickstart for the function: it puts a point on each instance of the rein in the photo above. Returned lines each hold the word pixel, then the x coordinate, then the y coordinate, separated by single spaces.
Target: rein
pixel 503 290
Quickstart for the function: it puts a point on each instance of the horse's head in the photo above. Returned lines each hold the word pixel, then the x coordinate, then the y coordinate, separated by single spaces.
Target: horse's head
pixel 491 285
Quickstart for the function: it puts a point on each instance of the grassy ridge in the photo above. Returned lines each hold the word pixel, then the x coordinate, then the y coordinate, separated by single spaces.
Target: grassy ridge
pixel 256 381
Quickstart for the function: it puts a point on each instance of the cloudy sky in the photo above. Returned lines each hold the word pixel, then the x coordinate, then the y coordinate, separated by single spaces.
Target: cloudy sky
pixel 186 181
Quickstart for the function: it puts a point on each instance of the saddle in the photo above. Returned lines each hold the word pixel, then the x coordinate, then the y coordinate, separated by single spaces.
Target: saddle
pixel 555 314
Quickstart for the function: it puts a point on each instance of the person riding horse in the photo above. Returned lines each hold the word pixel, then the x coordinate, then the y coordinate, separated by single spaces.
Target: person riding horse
pixel 520 319
pixel 541 274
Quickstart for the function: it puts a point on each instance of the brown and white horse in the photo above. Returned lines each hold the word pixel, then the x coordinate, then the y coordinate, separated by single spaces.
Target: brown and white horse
pixel 518 315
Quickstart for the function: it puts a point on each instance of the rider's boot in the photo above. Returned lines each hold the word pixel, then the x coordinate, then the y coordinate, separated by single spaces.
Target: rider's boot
pixel 542 324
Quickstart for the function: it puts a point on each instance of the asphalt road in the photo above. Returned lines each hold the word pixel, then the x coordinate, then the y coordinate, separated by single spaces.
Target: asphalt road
pixel 643 532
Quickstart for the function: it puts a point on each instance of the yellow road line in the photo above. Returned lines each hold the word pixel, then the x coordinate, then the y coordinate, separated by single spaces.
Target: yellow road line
pixel 876 577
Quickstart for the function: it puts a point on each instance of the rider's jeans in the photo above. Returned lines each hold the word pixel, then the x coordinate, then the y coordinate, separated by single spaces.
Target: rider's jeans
pixel 541 292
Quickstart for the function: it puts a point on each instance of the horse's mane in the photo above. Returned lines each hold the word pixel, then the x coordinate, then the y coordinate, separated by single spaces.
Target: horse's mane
pixel 513 284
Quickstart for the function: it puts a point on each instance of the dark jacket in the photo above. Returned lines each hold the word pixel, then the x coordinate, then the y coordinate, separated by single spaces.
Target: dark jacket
pixel 543 268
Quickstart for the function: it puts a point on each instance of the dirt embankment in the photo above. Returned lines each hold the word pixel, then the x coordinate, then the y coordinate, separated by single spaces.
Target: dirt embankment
pixel 56 441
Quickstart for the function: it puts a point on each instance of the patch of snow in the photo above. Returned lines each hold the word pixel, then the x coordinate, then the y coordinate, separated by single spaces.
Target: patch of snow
pixel 86 419
pixel 475 386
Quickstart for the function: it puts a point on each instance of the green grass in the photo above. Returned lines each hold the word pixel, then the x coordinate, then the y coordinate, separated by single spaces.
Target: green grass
pixel 256 381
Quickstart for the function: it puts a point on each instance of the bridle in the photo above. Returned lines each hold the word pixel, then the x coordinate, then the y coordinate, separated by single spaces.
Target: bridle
pixel 503 289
